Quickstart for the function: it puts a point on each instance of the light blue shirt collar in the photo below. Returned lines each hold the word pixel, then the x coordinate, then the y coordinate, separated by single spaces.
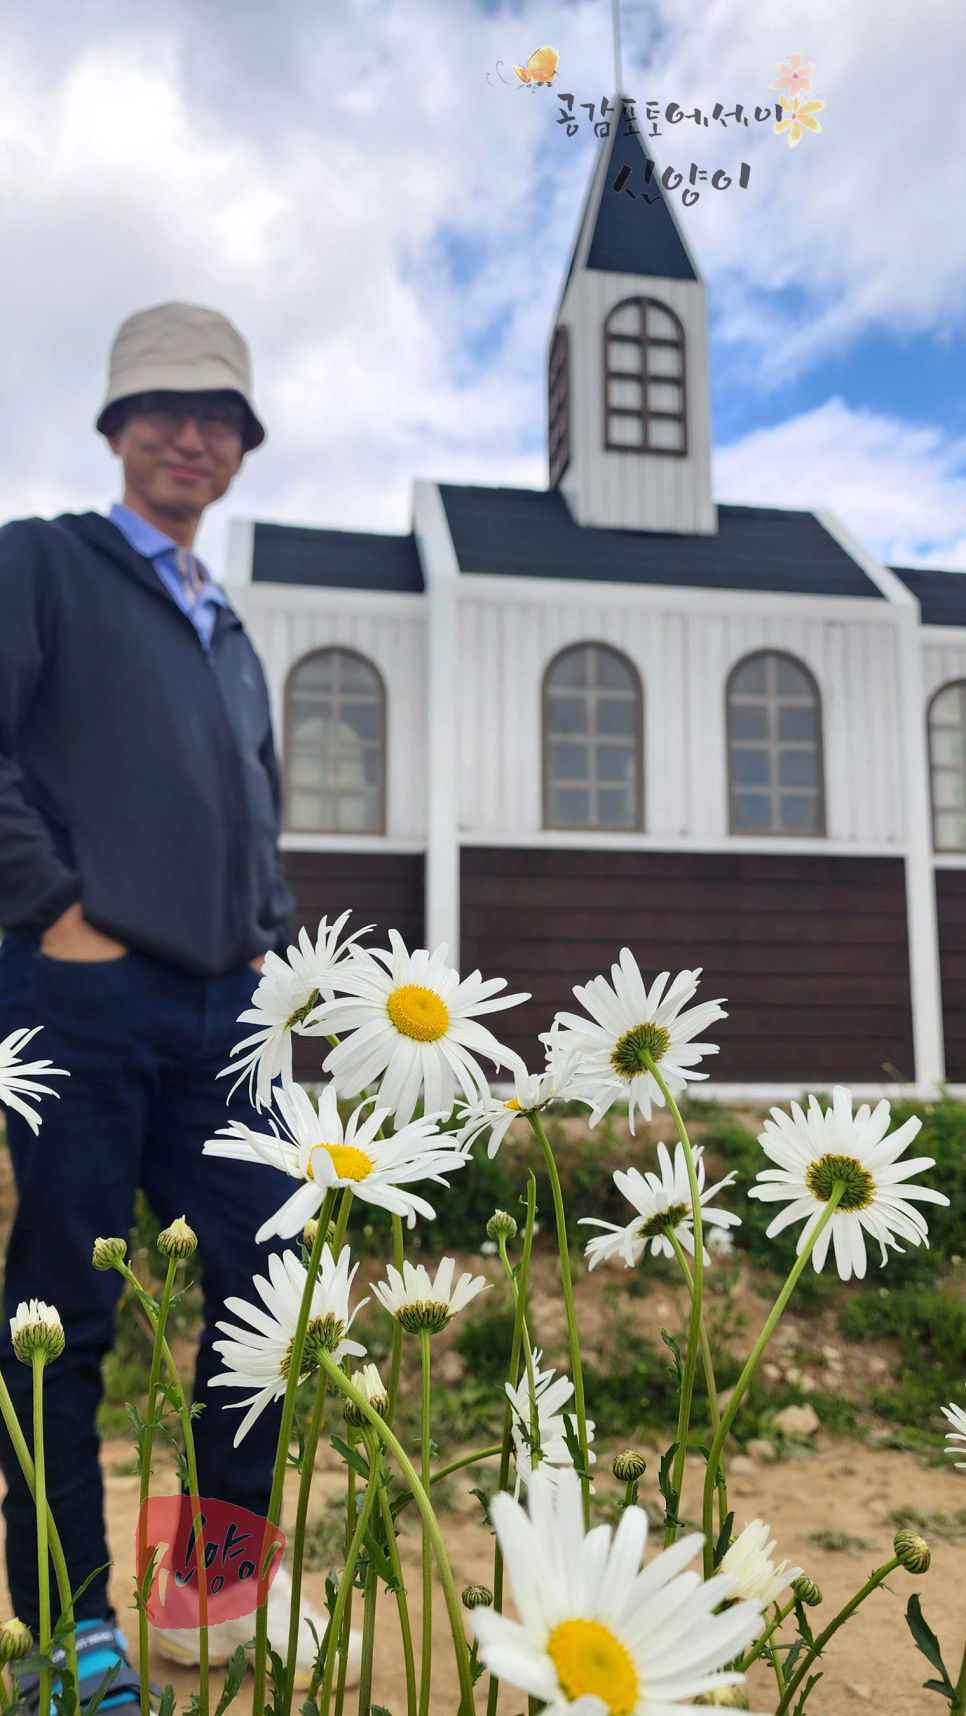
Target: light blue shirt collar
pixel 145 538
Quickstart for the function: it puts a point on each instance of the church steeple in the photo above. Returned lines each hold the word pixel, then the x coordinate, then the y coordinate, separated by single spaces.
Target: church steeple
pixel 630 410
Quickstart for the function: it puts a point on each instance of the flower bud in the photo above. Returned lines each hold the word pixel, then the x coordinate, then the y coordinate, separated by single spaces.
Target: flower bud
pixel 629 1466
pixel 807 1591
pixel 178 1240
pixel 310 1230
pixel 16 1640
pixel 369 1384
pixel 476 1597
pixel 501 1226
pixel 36 1329
pixel 912 1551
pixel 109 1253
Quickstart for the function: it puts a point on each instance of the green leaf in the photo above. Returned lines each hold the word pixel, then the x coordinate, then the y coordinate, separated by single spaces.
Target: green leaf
pixel 673 1346
pixel 111 1674
pixel 802 1623
pixel 484 1501
pixel 812 1680
pixel 166 1704
pixel 666 1487
pixel 379 1710
pixel 331 1593
pixel 927 1642
pixel 573 1446
pixel 724 1539
pixel 237 1667
pixel 352 1458
pixel 380 1561
pixel 296 1461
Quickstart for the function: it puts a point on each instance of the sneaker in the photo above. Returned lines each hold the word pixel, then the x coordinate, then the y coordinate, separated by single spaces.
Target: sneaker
pixel 100 1646
pixel 181 1644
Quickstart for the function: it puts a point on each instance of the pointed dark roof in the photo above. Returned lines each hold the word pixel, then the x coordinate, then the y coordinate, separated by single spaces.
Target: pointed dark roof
pixel 633 235
pixel 347 559
pixel 530 533
pixel 941 595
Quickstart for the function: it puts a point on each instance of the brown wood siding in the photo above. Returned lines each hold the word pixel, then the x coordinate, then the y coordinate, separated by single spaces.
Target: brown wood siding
pixel 811 953
pixel 951 913
pixel 381 888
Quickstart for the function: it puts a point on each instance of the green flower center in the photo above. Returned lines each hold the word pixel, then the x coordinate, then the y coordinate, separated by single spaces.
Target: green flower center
pixel 628 1056
pixel 431 1314
pixel 665 1221
pixel 322 1335
pixel 858 1182
pixel 301 1013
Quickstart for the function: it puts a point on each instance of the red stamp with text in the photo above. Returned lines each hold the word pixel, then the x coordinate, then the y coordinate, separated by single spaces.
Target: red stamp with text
pixel 241 1555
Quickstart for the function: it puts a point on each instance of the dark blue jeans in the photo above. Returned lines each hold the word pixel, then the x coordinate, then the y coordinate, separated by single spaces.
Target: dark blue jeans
pixel 143 1044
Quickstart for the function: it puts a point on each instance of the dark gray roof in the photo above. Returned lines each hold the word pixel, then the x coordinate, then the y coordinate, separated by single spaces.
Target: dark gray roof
pixel 529 533
pixel 350 559
pixel 941 595
pixel 631 235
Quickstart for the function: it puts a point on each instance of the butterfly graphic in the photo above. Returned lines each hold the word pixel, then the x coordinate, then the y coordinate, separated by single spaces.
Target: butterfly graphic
pixel 541 67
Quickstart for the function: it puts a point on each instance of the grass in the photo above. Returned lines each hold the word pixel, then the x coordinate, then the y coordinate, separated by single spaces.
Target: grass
pixel 841 1542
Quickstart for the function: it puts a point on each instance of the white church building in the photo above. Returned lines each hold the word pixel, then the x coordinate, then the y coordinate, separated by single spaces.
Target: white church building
pixel 547 723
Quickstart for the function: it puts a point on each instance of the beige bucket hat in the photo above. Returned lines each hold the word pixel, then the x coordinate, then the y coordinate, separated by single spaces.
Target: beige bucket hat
pixel 180 348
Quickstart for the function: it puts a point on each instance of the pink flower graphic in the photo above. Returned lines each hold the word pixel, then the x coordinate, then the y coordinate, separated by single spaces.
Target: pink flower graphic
pixel 795 76
pixel 798 114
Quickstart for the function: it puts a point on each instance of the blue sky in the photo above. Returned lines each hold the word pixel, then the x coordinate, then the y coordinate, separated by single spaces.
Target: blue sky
pixel 391 232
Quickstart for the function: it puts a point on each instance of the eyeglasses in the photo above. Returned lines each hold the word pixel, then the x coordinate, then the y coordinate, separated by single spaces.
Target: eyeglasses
pixel 217 417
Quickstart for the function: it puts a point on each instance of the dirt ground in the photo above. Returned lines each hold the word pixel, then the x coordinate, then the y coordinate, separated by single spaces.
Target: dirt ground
pixel 871 1665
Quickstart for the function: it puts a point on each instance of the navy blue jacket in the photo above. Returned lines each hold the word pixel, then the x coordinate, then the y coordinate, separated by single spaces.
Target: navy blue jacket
pixel 137 769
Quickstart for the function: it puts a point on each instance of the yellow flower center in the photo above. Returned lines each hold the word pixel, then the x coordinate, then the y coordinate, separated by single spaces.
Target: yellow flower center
pixel 348 1162
pixel 513 1103
pixel 589 1659
pixel 417 1012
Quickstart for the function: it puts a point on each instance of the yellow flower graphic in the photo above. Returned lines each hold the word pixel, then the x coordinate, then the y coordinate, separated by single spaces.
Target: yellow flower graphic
pixel 799 114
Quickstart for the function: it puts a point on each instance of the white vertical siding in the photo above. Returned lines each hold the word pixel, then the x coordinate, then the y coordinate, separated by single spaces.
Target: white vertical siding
pixel 628 490
pixel 285 623
pixel 684 653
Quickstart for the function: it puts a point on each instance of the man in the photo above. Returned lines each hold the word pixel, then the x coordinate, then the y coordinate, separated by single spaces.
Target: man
pixel 140 887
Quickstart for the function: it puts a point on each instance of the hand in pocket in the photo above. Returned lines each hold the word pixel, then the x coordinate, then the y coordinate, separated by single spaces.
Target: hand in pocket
pixel 72 938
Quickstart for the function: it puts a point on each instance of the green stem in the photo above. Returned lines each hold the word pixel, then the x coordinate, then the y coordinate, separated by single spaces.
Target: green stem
pixel 338 1238
pixel 566 1282
pixel 708 1367
pixel 352 1556
pixel 55 1547
pixel 341 1638
pixel 816 1649
pixel 147 1449
pixel 697 1296
pixel 519 1317
pixel 402 1603
pixel 369 1596
pixel 467 1460
pixel 958 1707
pixel 298 1542
pixel 453 1610
pixel 282 1446
pixel 398 1256
pixel 745 1662
pixel 43 1573
pixel 426 1649
pixel 741 1386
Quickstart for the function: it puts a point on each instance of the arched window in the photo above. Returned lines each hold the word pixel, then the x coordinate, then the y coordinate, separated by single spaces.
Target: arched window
pixel 559 404
pixel 947 758
pixel 644 397
pixel 774 747
pixel 335 744
pixel 592 740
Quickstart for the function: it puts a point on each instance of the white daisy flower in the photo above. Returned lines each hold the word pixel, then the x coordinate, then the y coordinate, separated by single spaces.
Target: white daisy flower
pixel 412 1024
pixel 815 1149
pixel 258 1357
pixel 420 1303
pixel 663 1203
pixel 320 1153
pixel 627 1021
pixel 721 1242
pixel 596 1634
pixel 16 1076
pixel 552 1423
pixel 531 1093
pixel 36 1328
pixel 747 1562
pixel 370 1385
pixel 956 1437
pixel 288 992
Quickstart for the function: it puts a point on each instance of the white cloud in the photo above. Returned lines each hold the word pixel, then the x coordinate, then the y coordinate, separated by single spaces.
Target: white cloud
pixel 900 488
pixel 390 231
